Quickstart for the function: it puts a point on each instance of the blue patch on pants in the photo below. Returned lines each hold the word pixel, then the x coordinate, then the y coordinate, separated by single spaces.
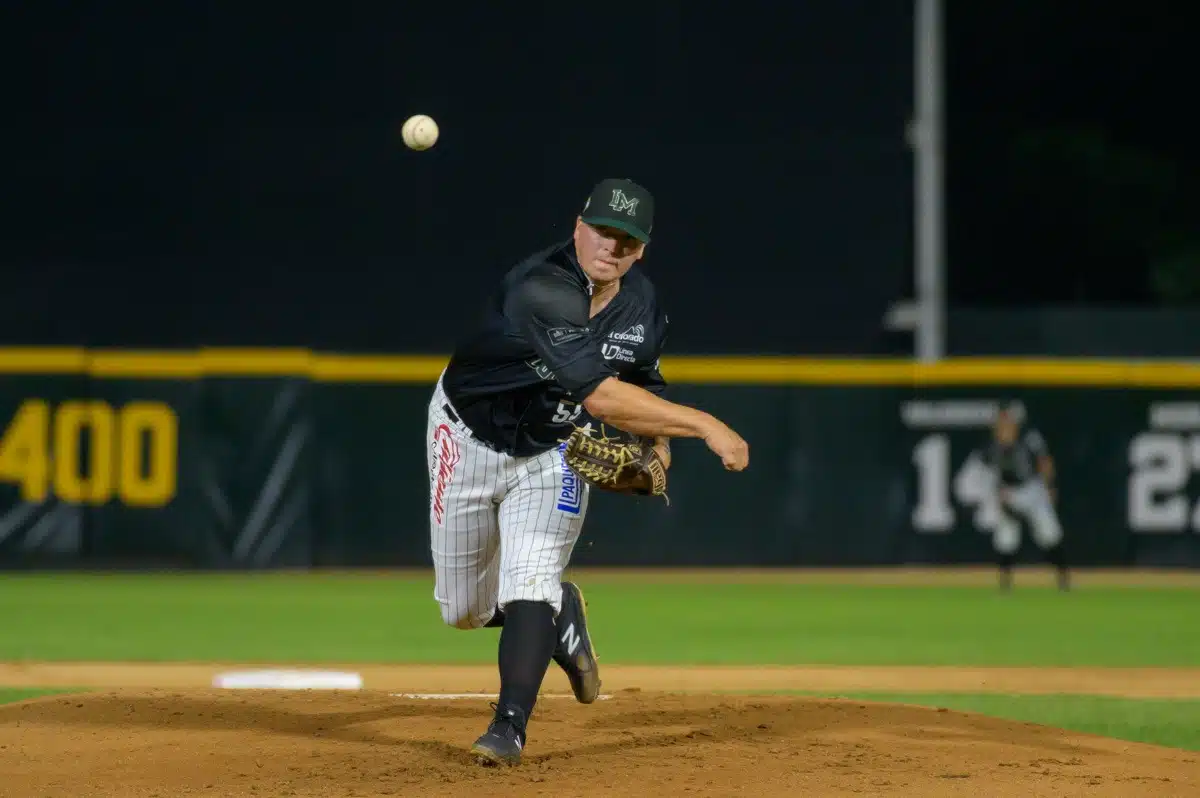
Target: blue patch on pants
pixel 570 498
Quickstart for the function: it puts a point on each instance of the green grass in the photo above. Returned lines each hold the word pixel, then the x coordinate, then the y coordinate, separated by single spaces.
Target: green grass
pixel 340 618
pixel 10 694
pixel 277 617
pixel 1174 723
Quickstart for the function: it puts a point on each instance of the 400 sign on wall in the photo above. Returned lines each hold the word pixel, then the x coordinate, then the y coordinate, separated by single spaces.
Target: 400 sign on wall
pixel 88 452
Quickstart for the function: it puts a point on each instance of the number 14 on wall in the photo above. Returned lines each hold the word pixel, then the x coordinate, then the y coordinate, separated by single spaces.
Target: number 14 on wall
pixel 971 487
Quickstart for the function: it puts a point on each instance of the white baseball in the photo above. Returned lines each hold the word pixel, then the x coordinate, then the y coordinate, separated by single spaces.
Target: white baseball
pixel 420 132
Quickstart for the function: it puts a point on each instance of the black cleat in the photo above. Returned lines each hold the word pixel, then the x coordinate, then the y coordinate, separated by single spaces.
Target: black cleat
pixel 573 651
pixel 504 739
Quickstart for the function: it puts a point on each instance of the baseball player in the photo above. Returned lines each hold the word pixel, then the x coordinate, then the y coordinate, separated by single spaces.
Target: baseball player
pixel 572 335
pixel 1024 482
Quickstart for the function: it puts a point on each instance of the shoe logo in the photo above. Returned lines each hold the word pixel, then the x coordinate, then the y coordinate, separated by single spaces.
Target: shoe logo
pixel 571 639
pixel 518 740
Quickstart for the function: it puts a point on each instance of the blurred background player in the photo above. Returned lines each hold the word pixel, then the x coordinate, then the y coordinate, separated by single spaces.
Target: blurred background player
pixel 1024 479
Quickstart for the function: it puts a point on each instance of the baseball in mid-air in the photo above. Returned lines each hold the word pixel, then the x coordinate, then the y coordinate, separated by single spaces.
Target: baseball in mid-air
pixel 420 132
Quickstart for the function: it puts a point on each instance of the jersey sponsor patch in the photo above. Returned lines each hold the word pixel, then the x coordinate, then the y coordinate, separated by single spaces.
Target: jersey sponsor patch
pixel 564 335
pixel 570 496
pixel 614 352
pixel 447 452
pixel 634 335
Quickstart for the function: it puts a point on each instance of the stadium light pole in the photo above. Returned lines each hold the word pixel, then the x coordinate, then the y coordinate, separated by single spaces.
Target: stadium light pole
pixel 925 315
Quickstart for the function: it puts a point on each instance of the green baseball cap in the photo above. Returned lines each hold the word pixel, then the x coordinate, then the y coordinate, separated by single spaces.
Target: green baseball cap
pixel 622 204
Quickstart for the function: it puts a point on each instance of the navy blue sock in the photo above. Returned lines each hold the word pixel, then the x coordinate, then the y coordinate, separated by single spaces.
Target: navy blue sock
pixel 1005 563
pixel 526 646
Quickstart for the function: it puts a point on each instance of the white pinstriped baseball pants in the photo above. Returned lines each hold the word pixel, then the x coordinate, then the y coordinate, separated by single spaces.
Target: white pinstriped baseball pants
pixel 501 528
pixel 1031 500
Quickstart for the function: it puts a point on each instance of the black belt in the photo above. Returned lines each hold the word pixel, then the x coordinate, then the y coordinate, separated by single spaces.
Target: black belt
pixel 449 411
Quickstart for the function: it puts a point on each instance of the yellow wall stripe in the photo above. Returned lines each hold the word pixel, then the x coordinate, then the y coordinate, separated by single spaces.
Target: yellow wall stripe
pixel 954 371
pixel 43 361
pixel 692 369
pixel 378 368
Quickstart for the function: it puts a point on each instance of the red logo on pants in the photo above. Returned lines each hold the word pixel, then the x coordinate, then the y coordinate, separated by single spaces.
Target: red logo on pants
pixel 447 452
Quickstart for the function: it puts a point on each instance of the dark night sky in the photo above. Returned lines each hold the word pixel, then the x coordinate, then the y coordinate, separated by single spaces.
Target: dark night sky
pixel 1073 159
pixel 1073 146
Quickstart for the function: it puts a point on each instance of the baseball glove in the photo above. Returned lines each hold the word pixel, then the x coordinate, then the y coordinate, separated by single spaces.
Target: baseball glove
pixel 617 465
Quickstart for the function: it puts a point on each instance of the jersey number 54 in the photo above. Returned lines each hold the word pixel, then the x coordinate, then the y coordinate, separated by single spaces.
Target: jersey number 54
pixel 566 413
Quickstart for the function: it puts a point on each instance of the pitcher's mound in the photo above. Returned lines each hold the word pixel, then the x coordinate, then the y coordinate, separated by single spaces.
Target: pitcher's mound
pixel 243 743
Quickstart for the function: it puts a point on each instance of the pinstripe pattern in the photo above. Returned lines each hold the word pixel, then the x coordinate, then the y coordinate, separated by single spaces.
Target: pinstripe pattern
pixel 1031 500
pixel 502 528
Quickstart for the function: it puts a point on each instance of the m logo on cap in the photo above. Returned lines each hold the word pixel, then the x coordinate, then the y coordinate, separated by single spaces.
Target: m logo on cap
pixel 622 203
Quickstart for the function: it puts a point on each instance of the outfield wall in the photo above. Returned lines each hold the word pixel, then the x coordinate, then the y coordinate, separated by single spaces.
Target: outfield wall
pixel 229 458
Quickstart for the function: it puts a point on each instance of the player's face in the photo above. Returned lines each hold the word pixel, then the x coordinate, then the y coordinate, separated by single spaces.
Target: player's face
pixel 1006 429
pixel 605 253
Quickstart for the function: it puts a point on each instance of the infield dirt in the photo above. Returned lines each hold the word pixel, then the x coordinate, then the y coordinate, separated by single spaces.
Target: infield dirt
pixel 160 731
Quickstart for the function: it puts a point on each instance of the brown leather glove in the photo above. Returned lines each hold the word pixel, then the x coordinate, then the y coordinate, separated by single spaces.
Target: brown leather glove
pixel 614 464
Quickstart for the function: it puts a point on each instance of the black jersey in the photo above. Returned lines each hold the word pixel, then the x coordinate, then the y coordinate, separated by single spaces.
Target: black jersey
pixel 519 376
pixel 1016 463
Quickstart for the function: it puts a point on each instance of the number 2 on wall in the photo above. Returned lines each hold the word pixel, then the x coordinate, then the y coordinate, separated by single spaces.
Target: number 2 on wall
pixel 40 450
pixel 1161 464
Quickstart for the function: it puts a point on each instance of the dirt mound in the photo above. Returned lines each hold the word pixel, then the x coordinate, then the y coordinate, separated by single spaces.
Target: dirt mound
pixel 1127 682
pixel 369 743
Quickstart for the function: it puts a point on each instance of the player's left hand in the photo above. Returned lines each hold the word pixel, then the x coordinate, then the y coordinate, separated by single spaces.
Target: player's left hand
pixel 664 454
pixel 625 465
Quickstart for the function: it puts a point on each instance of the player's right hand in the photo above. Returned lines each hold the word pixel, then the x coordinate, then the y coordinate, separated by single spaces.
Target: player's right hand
pixel 729 446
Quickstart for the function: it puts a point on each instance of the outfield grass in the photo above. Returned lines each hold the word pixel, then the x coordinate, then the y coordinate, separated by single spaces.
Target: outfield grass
pixel 277 617
pixel 10 694
pixel 326 618
pixel 1175 723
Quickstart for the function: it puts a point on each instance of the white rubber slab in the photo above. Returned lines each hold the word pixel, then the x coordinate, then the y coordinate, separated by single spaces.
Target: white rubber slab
pixel 468 696
pixel 288 680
